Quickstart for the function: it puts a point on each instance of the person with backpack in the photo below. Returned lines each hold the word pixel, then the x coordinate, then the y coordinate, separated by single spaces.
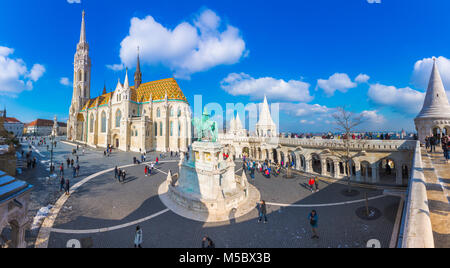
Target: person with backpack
pixel 207 242
pixel 313 222
pixel 311 184
pixel 316 183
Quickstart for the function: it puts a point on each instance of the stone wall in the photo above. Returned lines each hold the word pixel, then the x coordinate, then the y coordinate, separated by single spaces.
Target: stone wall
pixel 8 163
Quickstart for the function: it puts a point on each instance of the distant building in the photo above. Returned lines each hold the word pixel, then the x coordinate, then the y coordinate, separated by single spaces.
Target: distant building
pixel 44 127
pixel 12 125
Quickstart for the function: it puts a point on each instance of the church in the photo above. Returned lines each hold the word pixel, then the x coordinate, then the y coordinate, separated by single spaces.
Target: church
pixel 144 117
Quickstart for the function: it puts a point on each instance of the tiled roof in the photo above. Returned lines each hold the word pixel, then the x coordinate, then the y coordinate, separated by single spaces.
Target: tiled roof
pixel 157 89
pixel 44 123
pixel 11 120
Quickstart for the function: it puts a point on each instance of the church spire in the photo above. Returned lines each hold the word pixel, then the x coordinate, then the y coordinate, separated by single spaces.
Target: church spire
pixel 104 89
pixel 83 30
pixel 436 102
pixel 126 84
pixel 137 74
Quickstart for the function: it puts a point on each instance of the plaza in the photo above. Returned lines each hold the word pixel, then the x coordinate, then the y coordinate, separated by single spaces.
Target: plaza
pixel 105 212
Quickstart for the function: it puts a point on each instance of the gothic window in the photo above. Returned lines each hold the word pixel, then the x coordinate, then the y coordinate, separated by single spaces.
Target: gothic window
pixel 171 112
pixel 171 128
pixel 156 129
pixel 179 112
pixel 103 122
pixel 160 128
pixel 136 133
pixel 91 124
pixel 79 75
pixel 118 118
pixel 179 129
pixel 85 76
pixel 158 113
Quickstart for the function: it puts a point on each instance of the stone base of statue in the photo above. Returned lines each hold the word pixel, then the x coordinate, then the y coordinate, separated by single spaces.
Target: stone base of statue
pixel 206 188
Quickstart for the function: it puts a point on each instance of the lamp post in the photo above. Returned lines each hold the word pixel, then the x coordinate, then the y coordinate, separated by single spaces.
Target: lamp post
pixel 52 168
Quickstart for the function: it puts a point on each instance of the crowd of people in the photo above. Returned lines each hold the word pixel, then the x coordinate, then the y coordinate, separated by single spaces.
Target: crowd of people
pixel 432 141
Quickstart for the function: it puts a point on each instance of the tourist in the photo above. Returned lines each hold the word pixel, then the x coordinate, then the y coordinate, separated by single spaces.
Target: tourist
pixel 124 174
pixel 156 161
pixel 427 143
pixel 252 173
pixel 67 186
pixel 138 237
pixel 432 144
pixel 116 172
pixel 68 162
pixel 61 170
pixel 74 172
pixel 313 221
pixel 61 183
pixel 207 242
pixel 146 170
pixel 316 183
pixel 262 211
pixel 311 184
pixel 119 175
pixel 78 170
pixel 71 162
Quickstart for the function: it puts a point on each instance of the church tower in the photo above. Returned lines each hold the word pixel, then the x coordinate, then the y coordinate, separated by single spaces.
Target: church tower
pixel 137 74
pixel 81 71
pixel 81 79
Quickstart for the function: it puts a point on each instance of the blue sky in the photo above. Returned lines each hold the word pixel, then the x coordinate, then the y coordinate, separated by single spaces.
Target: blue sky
pixel 310 56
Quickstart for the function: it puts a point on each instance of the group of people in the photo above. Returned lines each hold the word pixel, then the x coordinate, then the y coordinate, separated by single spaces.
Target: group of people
pixel 444 141
pixel 313 184
pixel 120 174
pixel 266 168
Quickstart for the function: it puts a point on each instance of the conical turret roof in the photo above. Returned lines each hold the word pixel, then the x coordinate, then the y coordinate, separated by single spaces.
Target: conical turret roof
pixel 436 102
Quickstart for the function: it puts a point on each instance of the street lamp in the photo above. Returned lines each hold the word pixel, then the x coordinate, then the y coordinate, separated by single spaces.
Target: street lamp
pixel 52 168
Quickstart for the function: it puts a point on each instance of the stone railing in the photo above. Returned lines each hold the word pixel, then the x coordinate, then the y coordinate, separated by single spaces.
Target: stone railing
pixel 416 230
pixel 368 145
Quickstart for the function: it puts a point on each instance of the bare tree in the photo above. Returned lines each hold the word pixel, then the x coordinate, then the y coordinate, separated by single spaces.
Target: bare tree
pixel 346 122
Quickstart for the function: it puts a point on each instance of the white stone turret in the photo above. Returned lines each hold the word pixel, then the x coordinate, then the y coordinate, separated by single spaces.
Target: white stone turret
pixel 265 126
pixel 434 118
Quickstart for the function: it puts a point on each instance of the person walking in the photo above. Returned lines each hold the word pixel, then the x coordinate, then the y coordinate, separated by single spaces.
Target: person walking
pixel 74 172
pixel 316 183
pixel 62 181
pixel 146 170
pixel 207 242
pixel 119 175
pixel 138 236
pixel 311 184
pixel 262 211
pixel 67 186
pixel 313 222
pixel 116 172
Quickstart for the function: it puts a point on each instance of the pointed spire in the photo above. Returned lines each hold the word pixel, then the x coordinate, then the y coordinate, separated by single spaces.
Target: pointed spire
pixel 137 74
pixel 436 102
pixel 238 122
pixel 83 30
pixel 104 89
pixel 126 84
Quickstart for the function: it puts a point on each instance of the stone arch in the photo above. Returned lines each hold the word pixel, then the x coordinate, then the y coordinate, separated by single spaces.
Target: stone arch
pixel 366 171
pixel 116 140
pixel 387 170
pixel 330 167
pixel 275 156
pixel 103 122
pixel 246 151
pixel 292 159
pixel 302 162
pixel 316 163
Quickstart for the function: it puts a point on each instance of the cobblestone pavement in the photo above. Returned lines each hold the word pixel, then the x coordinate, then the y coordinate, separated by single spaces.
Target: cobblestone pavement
pixel 437 176
pixel 46 188
pixel 104 202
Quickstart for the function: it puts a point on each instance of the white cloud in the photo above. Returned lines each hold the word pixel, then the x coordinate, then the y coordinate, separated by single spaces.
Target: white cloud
pixel 422 72
pixel 374 1
pixel 275 89
pixel 186 49
pixel 401 99
pixel 36 72
pixel 362 78
pixel 338 81
pixel 64 81
pixel 14 75
pixel 305 109
pixel 116 67
pixel 372 117
pixel 74 1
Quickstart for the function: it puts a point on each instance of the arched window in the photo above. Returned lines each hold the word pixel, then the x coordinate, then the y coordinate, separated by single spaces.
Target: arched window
pixel 79 75
pixel 156 129
pixel 160 128
pixel 118 118
pixel 91 123
pixel 171 128
pixel 179 112
pixel 158 113
pixel 171 112
pixel 179 129
pixel 103 120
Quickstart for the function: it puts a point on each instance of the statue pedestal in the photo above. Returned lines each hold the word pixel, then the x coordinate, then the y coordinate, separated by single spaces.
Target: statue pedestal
pixel 207 188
